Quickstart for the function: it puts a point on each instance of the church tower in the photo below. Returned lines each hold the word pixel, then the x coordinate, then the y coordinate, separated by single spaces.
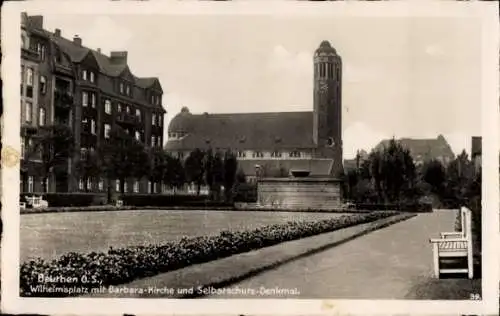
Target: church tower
pixel 327 113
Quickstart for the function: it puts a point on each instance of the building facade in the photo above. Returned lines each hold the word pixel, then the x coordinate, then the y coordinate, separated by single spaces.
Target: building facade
pixel 267 137
pixel 423 150
pixel 66 83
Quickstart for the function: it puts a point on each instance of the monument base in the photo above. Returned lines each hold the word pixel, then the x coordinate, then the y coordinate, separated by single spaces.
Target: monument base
pixel 308 193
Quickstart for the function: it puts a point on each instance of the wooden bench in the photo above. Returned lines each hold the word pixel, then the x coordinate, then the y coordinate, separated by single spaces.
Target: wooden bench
pixel 455 246
pixel 37 202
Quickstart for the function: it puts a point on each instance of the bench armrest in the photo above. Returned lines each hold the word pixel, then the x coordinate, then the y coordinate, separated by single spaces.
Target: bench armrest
pixel 450 234
pixel 438 240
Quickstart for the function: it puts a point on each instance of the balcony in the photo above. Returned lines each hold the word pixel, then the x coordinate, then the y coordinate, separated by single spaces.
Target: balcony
pixel 63 100
pixel 127 119
pixel 28 130
pixel 30 53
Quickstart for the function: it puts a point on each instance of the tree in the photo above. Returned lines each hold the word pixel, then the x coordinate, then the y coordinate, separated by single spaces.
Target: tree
pixel 90 165
pixel 158 166
pixel 459 173
pixel 434 173
pixel 175 175
pixel 195 168
pixel 230 177
pixel 124 157
pixel 55 145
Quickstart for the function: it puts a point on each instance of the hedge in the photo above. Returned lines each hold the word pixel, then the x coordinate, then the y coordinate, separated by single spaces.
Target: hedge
pixel 70 199
pixel 403 207
pixel 169 200
pixel 119 266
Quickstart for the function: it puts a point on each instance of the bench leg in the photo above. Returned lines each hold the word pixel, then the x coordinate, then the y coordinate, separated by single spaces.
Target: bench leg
pixel 436 260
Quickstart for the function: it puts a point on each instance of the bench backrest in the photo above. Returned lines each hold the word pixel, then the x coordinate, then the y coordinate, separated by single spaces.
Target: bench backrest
pixel 466 221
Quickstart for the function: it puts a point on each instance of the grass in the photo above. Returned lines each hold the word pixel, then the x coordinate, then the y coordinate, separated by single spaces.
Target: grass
pixel 54 234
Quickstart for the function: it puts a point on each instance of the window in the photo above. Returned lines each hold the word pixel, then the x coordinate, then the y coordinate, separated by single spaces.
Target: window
pixel 155 187
pixel 295 154
pixel 138 113
pixel 242 154
pixel 42 52
pixel 83 153
pixel 84 74
pixel 149 187
pixel 107 130
pixel 153 119
pixel 85 98
pixel 23 147
pixel 92 98
pixel 101 185
pixel 128 89
pixel 107 106
pixel 117 185
pixel 276 154
pixel 159 140
pixel 29 76
pixel 153 139
pixel 92 127
pixel 257 154
pixel 46 186
pixel 121 87
pixel 22 73
pixel 125 187
pixel 29 112
pixel 31 184
pixel 89 184
pixel 41 117
pixel 137 135
pixel 127 109
pixel 119 107
pixel 43 84
pixel 92 77
pixel 136 186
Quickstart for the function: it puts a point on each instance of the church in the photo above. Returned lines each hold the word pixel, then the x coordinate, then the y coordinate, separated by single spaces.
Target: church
pixel 279 141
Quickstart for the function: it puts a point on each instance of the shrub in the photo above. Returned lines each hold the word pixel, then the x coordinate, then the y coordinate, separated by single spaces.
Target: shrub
pixel 402 207
pixel 119 266
pixel 246 192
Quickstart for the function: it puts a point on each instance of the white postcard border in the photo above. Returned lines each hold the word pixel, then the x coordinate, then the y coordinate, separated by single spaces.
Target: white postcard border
pixel 12 303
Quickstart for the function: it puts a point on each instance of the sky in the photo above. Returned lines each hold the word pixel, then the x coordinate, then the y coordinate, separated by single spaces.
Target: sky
pixel 403 77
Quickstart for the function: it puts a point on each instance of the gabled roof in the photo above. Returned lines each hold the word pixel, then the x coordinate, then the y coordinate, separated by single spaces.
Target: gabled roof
pixel 239 131
pixel 423 148
pixel 79 53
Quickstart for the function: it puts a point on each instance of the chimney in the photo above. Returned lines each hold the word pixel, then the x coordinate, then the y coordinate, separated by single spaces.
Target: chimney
pixel 36 21
pixel 99 50
pixel 77 40
pixel 118 57
pixel 57 32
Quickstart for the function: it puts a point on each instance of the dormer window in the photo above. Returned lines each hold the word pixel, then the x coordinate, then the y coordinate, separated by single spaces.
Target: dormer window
pixel 121 87
pixel 84 74
pixel 138 113
pixel 258 154
pixel 153 119
pixel 128 89
pixel 119 107
pixel 127 109
pixel 92 77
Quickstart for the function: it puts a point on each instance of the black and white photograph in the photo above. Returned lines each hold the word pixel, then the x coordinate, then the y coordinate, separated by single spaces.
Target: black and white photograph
pixel 229 155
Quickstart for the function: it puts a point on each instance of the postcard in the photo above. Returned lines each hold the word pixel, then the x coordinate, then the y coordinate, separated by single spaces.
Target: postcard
pixel 250 157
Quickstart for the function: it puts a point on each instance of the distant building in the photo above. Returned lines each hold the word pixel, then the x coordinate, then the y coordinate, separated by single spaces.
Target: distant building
pixel 65 82
pixel 264 138
pixel 423 150
pixel 476 152
pixel 356 162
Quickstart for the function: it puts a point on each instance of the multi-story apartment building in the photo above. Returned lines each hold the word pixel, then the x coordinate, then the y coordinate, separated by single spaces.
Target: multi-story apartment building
pixel 64 82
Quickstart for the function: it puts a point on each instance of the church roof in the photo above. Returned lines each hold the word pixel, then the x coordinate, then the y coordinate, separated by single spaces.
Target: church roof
pixel 423 148
pixel 240 131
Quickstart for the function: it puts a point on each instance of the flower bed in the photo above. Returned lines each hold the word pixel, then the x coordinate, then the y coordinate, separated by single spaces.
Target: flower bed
pixel 119 266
